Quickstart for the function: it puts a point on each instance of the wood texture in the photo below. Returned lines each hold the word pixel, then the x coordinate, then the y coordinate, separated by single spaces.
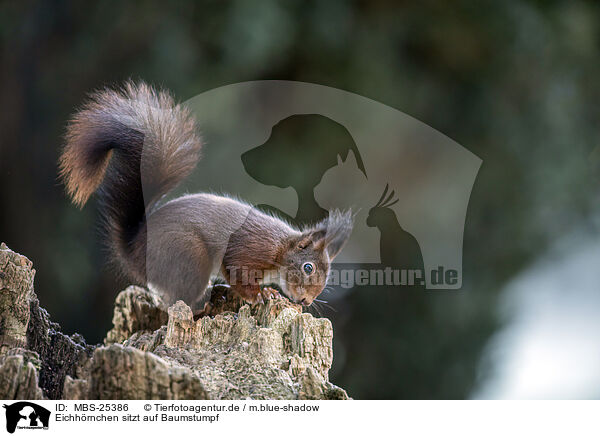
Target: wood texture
pixel 234 351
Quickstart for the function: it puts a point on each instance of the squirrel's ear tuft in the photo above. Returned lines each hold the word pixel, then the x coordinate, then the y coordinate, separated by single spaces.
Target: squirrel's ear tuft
pixel 331 233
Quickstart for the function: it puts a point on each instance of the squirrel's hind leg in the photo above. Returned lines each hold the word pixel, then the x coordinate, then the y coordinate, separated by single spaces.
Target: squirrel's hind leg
pixel 180 270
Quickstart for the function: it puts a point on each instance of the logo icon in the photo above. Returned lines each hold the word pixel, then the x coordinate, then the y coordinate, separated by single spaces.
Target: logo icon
pixel 299 150
pixel 26 415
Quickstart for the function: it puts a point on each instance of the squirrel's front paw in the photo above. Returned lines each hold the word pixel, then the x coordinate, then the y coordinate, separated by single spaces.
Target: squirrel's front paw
pixel 256 296
pixel 254 299
pixel 251 295
pixel 269 293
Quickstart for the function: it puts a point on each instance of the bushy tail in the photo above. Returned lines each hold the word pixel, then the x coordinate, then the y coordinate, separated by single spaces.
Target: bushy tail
pixel 132 145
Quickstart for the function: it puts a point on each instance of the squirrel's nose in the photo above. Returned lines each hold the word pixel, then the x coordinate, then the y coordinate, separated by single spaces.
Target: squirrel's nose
pixel 304 302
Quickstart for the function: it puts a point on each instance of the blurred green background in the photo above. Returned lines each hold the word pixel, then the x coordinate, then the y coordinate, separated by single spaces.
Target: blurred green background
pixel 515 82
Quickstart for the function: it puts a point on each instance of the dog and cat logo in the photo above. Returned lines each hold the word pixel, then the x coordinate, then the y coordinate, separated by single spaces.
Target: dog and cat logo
pixel 299 150
pixel 26 415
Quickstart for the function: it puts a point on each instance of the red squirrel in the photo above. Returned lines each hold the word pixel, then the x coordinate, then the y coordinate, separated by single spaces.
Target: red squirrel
pixel 134 145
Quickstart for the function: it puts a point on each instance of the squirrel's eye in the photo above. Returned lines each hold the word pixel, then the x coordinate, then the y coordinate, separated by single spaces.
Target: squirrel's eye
pixel 308 268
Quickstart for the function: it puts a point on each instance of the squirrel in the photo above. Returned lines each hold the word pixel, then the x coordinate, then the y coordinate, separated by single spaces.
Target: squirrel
pixel 132 146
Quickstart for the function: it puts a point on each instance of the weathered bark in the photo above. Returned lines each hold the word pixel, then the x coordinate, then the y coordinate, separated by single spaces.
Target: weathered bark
pixel 59 354
pixel 51 355
pixel 16 285
pixel 19 376
pixel 234 351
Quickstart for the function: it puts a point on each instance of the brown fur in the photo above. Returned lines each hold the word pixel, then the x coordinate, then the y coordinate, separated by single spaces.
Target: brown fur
pixel 133 146
pixel 171 143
